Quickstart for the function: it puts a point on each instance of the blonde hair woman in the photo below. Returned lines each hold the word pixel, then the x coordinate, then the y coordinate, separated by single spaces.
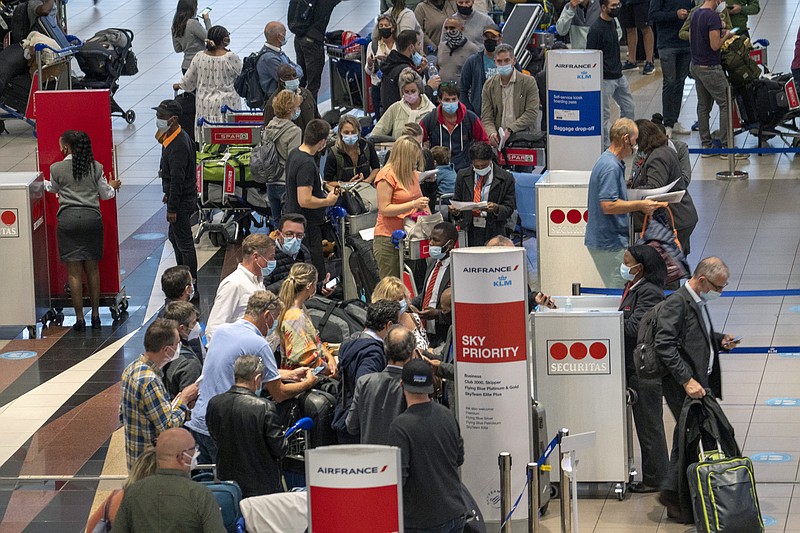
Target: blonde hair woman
pixel 300 343
pixel 391 288
pixel 399 196
pixel 351 158
pixel 287 136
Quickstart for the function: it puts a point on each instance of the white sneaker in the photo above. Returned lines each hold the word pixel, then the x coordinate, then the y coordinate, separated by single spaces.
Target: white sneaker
pixel 669 132
pixel 678 129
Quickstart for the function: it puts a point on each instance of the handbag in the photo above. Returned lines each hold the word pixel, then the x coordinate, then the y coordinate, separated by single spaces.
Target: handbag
pixel 104 524
pixel 419 227
pixel 352 202
pixel 659 232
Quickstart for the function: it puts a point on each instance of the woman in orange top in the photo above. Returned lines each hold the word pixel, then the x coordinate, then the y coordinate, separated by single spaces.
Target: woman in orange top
pixel 399 196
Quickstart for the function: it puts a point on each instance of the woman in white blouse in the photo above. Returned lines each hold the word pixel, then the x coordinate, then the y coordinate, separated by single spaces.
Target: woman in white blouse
pixel 212 74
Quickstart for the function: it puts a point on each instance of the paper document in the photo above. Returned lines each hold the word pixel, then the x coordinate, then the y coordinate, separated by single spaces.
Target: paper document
pixel 502 134
pixel 427 175
pixel 468 206
pixel 671 197
pixel 640 194
pixel 175 402
pixel 367 234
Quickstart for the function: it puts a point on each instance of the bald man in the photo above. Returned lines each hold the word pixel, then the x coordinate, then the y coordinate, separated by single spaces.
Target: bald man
pixel 169 500
pixel 273 56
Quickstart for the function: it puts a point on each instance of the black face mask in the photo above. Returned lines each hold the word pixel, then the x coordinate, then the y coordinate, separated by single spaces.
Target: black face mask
pixel 614 13
pixel 385 32
pixel 489 45
pixel 466 11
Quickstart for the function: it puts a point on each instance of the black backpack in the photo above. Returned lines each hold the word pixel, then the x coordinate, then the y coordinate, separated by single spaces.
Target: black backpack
pixel 337 322
pixel 247 84
pixel 645 358
pixel 298 17
pixel 20 24
pixel 363 266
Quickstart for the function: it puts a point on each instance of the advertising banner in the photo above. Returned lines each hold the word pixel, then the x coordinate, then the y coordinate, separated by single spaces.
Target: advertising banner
pixel 492 373
pixel 575 117
pixel 354 488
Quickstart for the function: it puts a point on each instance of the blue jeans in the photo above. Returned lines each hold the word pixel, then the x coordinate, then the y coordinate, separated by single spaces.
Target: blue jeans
pixel 455 525
pixel 675 68
pixel 207 447
pixel 620 91
pixel 275 192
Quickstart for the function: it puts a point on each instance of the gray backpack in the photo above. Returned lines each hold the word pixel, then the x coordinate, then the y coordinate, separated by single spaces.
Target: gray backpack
pixel 266 164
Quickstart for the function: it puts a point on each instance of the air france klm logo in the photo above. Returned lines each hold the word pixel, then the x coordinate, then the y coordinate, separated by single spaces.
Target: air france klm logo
pixel 584 66
pixel 490 270
pixel 336 471
pixel 584 75
pixel 502 281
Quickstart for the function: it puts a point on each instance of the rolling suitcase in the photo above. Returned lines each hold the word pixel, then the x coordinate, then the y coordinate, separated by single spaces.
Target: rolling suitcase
pixel 723 493
pixel 541 438
pixel 228 495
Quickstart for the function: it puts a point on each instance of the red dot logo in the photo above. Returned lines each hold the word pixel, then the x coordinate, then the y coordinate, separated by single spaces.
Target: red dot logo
pixel 558 351
pixel 586 216
pixel 574 216
pixel 578 350
pixel 557 216
pixel 598 350
pixel 8 218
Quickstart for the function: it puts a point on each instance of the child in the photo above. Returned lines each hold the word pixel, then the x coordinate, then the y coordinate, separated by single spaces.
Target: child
pixel 446 174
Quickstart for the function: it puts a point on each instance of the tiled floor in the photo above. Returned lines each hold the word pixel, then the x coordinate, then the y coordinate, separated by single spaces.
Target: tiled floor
pixel 58 411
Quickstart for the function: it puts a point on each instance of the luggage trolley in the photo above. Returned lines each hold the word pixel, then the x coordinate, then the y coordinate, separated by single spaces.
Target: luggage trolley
pixel 350 84
pixel 242 116
pixel 236 196
pixel 353 225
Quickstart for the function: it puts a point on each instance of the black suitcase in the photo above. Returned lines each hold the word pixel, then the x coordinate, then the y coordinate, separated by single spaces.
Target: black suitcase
pixel 763 103
pixel 188 111
pixel 318 406
pixel 475 522
pixel 541 438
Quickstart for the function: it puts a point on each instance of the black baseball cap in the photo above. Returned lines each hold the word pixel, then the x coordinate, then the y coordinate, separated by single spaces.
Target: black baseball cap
pixel 418 377
pixel 170 108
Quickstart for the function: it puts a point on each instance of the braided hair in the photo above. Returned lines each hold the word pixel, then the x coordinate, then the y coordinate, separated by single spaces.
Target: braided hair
pixel 216 38
pixel 82 157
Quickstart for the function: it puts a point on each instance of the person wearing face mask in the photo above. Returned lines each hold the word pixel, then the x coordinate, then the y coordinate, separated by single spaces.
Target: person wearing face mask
pixel 392 288
pixel 412 107
pixel 603 36
pixel 146 409
pixel 377 51
pixel 404 20
pixel 351 158
pixel 405 55
pixel 246 336
pixel 644 272
pixel 272 56
pixel 188 34
pixel 479 68
pixel 486 182
pixel 689 347
pixel 576 19
pixel 211 75
pixel 233 293
pixel 178 183
pixel 454 126
pixel 169 499
pixel 360 356
pixel 286 136
pixel 308 110
pixel 431 15
pixel 444 237
pixel 299 339
pixel 474 21
pixel 185 367
pixel 608 205
pixel 247 431
pixel 510 99
pixel 454 49
pixel 176 284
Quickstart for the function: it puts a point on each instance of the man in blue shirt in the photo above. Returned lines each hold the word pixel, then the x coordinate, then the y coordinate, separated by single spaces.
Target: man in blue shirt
pixel 273 56
pixel 243 337
pixel 608 205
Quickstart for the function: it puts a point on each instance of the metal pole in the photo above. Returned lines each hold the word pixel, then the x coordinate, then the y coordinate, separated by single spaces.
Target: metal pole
pixel 564 486
pixel 576 289
pixel 533 498
pixel 504 461
pixel 731 174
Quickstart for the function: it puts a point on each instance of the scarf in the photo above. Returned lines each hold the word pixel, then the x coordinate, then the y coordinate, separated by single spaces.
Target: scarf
pixel 454 40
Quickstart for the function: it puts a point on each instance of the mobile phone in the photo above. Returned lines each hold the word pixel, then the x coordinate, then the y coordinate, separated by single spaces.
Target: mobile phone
pixel 205 11
pixel 199 379
pixel 736 339
pixel 332 283
pixel 319 370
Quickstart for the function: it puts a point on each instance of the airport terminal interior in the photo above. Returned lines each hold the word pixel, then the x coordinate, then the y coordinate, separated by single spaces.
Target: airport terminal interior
pixel 59 409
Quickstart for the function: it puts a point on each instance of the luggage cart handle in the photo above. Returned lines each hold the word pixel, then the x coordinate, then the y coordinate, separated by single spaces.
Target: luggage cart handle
pixel 39 47
pixel 202 121
pixel 226 109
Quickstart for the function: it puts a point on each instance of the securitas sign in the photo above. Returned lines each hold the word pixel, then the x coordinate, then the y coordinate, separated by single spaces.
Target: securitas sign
pixel 576 357
pixel 335 471
pixel 9 223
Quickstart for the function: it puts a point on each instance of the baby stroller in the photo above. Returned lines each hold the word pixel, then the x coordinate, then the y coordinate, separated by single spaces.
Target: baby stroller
pixel 103 59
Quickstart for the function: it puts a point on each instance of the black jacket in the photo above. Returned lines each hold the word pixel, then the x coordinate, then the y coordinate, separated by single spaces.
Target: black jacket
pixel 283 264
pixel 392 67
pixel 443 322
pixel 183 371
pixel 683 344
pixel 311 23
pixel 177 173
pixel 502 192
pixel 249 440
pixel 358 357
pixel 638 301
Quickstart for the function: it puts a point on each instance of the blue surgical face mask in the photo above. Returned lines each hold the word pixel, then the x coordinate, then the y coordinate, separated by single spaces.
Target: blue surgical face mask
pixel 296 114
pixel 403 306
pixel 162 125
pixel 258 390
pixel 416 58
pixel 450 107
pixel 436 252
pixel 505 70
pixel 292 85
pixel 710 296
pixel 625 272
pixel 283 42
pixel 290 246
pixel 350 140
pixel 267 270
pixel 483 171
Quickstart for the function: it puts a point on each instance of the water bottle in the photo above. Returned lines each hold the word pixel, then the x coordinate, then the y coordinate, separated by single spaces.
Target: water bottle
pixel 432 70
pixel 568 305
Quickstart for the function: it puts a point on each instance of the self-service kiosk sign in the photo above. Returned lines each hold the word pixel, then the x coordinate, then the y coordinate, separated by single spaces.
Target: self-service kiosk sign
pixel 582 356
pixel 567 221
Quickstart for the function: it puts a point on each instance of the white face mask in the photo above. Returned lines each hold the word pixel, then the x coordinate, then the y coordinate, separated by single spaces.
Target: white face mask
pixel 175 355
pixel 483 171
pixel 710 296
pixel 193 463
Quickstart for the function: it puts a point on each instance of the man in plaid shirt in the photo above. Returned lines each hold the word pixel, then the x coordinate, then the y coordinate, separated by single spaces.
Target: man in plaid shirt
pixel 145 410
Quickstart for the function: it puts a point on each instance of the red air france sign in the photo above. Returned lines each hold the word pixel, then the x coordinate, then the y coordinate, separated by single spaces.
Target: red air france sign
pixel 484 341
pixel 578 356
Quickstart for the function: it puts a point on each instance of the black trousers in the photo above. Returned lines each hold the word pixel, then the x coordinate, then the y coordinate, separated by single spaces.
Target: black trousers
pixel 180 235
pixel 648 416
pixel 12 63
pixel 311 58
pixel 313 241
pixel 675 395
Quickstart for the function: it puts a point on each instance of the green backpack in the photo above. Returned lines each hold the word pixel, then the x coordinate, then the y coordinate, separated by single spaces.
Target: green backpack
pixel 740 68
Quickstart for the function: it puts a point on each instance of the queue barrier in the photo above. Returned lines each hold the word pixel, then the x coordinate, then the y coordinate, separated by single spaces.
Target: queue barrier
pixel 577 290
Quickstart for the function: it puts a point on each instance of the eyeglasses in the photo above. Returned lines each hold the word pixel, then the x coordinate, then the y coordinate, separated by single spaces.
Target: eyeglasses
pixel 290 234
pixel 717 288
